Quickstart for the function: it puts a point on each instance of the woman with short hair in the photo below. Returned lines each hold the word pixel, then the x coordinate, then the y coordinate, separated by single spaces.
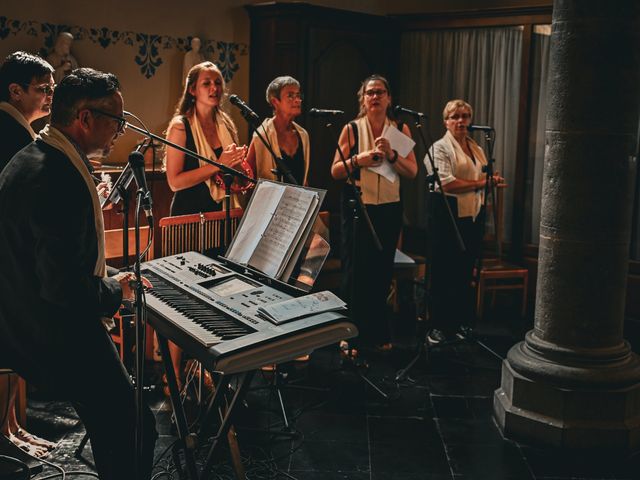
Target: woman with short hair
pixel 288 140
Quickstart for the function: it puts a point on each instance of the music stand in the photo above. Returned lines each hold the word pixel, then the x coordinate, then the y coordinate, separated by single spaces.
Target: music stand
pixel 466 334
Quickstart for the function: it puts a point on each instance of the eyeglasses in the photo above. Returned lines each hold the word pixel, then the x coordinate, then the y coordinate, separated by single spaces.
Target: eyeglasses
pixel 458 116
pixel 375 92
pixel 45 88
pixel 122 122
pixel 295 96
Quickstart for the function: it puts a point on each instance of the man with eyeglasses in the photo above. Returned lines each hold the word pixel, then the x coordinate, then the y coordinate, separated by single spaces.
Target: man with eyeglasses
pixel 53 279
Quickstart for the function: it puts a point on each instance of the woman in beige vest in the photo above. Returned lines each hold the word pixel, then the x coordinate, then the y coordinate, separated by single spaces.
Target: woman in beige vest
pixel 366 271
pixel 459 161
pixel 288 140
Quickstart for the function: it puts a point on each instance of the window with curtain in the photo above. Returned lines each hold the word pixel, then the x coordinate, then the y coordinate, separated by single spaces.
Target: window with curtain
pixel 479 65
pixel 635 225
pixel 540 42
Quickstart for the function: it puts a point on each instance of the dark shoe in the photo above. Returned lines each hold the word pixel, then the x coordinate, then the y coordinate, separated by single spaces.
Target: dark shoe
pixel 464 332
pixel 436 336
pixel 384 348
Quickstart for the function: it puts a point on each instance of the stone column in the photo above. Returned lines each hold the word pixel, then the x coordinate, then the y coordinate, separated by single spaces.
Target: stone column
pixel 574 382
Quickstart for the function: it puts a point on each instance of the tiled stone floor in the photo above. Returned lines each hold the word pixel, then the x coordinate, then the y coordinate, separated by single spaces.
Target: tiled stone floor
pixel 438 425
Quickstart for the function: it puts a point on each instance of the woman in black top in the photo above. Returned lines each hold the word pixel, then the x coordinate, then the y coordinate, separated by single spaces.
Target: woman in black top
pixel 199 124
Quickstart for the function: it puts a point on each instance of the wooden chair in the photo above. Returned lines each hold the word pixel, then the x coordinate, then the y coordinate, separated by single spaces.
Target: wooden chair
pixel 113 251
pixel 197 232
pixel 496 274
pixel 113 243
pixel 21 397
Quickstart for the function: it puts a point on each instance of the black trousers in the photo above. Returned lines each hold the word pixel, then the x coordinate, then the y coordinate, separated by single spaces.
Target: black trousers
pixel 451 296
pixel 373 269
pixel 87 371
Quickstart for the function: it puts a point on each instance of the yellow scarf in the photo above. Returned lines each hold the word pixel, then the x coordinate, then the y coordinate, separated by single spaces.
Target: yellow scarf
pixel 469 203
pixel 203 148
pixel 264 159
pixel 18 117
pixel 56 139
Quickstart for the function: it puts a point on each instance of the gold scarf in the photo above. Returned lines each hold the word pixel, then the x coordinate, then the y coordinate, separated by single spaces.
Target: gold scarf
pixel 203 148
pixel 18 117
pixel 469 203
pixel 56 139
pixel 264 159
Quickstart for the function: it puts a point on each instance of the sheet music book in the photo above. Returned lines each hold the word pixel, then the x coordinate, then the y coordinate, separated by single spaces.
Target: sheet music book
pixel 295 308
pixel 274 228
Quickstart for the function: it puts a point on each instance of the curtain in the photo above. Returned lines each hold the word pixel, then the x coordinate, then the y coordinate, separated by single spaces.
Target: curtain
pixel 635 226
pixel 540 69
pixel 481 66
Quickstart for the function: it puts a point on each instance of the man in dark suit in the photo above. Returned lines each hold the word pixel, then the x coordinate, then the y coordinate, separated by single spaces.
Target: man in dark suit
pixel 53 284
pixel 26 89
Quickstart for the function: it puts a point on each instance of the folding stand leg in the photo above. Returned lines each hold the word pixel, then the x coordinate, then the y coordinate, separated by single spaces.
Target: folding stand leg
pixel 186 440
pixel 216 404
pixel 351 363
pixel 226 416
pixel 285 417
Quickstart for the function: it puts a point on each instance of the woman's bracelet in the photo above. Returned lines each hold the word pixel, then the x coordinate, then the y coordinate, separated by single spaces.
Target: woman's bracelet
pixel 394 159
pixel 354 162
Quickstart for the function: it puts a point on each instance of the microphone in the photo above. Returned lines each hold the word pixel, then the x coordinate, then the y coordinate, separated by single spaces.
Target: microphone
pixel 136 162
pixel 249 115
pixel 319 112
pixel 399 110
pixel 481 128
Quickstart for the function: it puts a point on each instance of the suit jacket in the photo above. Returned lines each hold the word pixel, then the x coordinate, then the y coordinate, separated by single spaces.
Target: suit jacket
pixel 14 138
pixel 50 301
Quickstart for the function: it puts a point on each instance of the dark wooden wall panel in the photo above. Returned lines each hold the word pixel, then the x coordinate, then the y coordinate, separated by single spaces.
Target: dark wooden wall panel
pixel 337 62
pixel 330 52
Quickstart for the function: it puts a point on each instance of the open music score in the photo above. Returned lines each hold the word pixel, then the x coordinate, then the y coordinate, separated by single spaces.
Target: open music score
pixel 275 225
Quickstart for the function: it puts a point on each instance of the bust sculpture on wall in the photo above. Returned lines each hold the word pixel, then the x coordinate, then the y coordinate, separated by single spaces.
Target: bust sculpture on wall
pixel 61 59
pixel 192 57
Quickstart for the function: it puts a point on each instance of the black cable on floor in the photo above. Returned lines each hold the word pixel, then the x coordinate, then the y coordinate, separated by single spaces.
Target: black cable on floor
pixel 23 466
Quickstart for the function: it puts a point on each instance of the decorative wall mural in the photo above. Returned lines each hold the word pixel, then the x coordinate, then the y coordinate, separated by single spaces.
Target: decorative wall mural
pixel 148 56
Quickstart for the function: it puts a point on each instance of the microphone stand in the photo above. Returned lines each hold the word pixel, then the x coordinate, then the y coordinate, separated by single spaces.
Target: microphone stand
pixel 468 333
pixel 357 206
pixel 282 170
pixel 356 194
pixel 490 189
pixel 140 335
pixel 432 180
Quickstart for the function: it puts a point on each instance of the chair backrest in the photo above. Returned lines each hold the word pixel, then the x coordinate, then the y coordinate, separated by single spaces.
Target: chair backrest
pixel 491 229
pixel 113 243
pixel 197 232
